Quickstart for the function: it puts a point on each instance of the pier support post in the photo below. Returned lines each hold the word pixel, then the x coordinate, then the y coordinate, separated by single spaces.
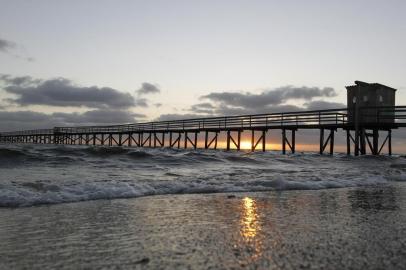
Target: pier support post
pixel 375 140
pixel 120 139
pixel 390 142
pixel 239 140
pixel 130 139
pixel 332 141
pixel 252 140
pixel 110 139
pixel 321 140
pixel 348 142
pixel 363 142
pixel 283 141
pixel 356 142
pixel 228 140
pixel 325 142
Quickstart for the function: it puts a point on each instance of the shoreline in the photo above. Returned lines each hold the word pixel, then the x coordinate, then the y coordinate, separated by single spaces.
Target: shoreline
pixel 359 227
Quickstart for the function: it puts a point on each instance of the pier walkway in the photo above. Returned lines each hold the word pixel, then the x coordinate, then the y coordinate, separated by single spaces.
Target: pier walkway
pixel 362 131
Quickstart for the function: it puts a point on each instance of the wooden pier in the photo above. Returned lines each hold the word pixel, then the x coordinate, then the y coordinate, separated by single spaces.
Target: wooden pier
pixel 184 133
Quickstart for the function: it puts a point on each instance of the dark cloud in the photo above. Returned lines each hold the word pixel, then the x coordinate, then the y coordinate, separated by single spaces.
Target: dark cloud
pixel 269 98
pixel 236 103
pixel 206 108
pixel 270 101
pixel 6 45
pixel 174 116
pixel 323 105
pixel 63 92
pixel 148 88
pixel 11 48
pixel 22 120
pixel 158 105
pixel 141 102
pixel 19 80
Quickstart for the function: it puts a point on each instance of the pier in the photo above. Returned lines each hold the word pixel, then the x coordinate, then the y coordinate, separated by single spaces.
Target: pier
pixel 362 128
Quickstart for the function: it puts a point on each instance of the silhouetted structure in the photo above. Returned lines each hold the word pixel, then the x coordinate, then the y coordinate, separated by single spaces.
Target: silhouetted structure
pixel 370 96
pixel 361 121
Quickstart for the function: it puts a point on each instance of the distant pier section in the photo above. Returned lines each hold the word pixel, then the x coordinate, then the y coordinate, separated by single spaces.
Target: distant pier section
pixel 370 113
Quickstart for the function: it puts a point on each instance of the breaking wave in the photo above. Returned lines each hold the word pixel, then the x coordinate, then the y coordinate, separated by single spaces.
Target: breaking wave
pixel 41 174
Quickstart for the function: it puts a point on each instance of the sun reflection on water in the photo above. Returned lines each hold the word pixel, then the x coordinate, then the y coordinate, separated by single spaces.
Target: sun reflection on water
pixel 250 224
pixel 250 230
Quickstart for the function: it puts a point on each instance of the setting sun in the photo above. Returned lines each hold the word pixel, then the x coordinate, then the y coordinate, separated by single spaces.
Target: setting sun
pixel 245 145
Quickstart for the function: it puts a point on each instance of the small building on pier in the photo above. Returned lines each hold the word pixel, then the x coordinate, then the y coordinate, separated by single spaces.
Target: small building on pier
pixel 366 97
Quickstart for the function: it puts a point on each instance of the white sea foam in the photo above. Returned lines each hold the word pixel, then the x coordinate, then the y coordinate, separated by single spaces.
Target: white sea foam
pixel 32 175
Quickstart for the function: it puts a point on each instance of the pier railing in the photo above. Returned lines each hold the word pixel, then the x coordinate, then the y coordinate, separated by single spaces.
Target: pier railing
pixel 288 119
pixel 385 115
pixel 299 119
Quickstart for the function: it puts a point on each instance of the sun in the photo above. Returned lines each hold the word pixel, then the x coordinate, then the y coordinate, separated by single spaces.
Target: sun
pixel 245 145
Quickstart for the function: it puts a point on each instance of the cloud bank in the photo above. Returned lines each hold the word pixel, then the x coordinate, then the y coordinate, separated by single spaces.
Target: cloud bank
pixel 268 101
pixel 105 105
pixel 63 92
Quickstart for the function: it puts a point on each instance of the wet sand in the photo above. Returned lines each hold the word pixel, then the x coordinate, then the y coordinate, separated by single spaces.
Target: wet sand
pixel 348 228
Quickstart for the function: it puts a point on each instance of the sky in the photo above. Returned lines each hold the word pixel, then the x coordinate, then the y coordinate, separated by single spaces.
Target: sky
pixel 100 62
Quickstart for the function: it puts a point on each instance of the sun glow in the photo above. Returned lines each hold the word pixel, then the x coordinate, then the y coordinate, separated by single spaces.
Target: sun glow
pixel 245 145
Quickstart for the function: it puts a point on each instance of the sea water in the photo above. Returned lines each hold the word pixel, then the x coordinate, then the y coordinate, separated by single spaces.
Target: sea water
pixel 51 174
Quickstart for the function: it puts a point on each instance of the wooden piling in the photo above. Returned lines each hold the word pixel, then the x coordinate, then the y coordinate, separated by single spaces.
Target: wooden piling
pixel 332 141
pixel 321 141
pixel 283 141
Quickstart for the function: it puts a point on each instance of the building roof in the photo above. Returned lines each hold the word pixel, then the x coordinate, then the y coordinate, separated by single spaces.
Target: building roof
pixel 373 85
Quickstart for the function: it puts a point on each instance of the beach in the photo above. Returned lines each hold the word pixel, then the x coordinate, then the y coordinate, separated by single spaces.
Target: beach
pixel 351 228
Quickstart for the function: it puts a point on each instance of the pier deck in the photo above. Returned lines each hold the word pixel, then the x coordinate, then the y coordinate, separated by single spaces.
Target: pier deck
pixel 152 134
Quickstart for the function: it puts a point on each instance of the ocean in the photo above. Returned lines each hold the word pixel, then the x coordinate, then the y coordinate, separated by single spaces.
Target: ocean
pixel 81 207
pixel 48 174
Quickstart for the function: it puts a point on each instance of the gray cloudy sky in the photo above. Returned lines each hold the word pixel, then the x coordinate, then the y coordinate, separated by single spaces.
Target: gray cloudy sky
pixel 95 62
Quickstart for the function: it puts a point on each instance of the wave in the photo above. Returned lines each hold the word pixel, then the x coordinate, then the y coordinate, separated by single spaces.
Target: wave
pixel 36 193
pixel 60 174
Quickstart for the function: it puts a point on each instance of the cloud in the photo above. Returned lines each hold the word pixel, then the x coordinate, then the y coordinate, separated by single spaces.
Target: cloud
pixel 19 80
pixel 148 88
pixel 207 108
pixel 63 92
pixel 269 97
pixel 10 48
pixel 274 100
pixel 323 105
pixel 174 116
pixel 6 46
pixel 141 102
pixel 269 101
pixel 22 120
